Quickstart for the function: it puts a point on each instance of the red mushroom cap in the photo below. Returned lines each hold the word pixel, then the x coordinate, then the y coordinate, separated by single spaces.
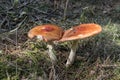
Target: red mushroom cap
pixel 81 31
pixel 47 32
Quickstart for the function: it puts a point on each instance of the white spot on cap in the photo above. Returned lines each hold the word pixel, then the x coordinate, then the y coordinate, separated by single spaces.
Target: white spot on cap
pixel 71 28
pixel 80 35
pixel 39 37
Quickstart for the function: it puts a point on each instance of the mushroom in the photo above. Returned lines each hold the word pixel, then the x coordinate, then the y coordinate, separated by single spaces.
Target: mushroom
pixel 76 33
pixel 47 33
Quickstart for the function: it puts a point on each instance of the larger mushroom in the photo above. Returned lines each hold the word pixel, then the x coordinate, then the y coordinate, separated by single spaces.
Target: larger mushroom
pixel 47 33
pixel 75 34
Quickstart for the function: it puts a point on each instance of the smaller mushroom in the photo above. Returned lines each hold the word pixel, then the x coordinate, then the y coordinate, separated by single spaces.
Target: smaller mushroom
pixel 76 33
pixel 47 33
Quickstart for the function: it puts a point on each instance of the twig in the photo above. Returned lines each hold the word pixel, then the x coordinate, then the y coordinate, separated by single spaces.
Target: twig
pixel 13 31
pixel 25 4
pixel 52 75
pixel 10 40
pixel 65 10
pixel 8 76
pixel 108 66
pixel 5 36
pixel 38 10
pixel 3 22
pixel 14 65
pixel 102 77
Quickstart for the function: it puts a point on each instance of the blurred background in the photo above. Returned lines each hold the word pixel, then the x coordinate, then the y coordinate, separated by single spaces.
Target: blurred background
pixel 98 58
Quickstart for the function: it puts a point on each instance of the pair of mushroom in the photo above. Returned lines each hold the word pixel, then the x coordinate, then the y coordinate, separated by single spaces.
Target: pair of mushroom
pixel 52 33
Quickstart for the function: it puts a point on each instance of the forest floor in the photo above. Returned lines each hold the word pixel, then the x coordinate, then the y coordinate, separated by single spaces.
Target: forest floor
pixel 98 57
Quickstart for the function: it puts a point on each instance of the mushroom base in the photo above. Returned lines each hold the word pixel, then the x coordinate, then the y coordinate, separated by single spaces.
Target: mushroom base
pixel 72 54
pixel 51 52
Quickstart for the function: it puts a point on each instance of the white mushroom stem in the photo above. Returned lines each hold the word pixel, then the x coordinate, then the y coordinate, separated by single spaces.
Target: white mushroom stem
pixel 51 52
pixel 72 54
